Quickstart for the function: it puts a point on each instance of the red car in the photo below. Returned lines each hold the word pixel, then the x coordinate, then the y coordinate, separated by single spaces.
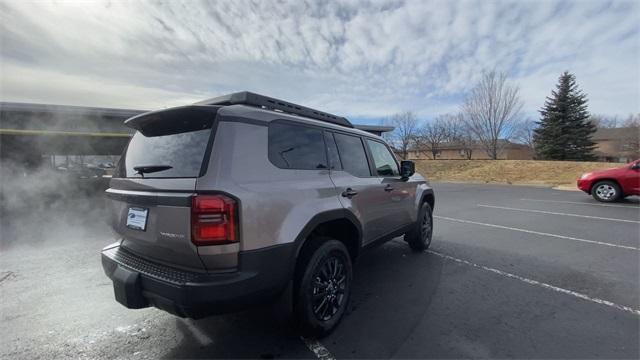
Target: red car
pixel 612 184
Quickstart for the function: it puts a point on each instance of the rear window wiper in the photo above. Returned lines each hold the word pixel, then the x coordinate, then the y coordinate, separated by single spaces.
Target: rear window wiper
pixel 146 169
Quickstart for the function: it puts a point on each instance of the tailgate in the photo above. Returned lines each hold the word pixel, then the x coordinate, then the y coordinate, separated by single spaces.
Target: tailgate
pixel 155 224
pixel 151 190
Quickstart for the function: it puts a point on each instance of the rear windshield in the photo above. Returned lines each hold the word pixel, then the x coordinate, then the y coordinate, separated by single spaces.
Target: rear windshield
pixel 178 150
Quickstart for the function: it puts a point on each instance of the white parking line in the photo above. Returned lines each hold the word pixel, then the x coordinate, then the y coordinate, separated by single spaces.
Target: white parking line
pixel 318 349
pixel 538 233
pixel 540 284
pixel 559 213
pixel 581 203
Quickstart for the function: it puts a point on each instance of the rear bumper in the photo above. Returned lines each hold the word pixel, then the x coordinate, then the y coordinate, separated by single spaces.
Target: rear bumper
pixel 139 283
pixel 584 185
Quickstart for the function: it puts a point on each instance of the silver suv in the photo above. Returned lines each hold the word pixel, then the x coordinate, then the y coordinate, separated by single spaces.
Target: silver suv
pixel 231 201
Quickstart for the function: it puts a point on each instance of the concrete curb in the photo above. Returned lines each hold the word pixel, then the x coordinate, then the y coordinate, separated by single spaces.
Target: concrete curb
pixel 538 185
pixel 565 188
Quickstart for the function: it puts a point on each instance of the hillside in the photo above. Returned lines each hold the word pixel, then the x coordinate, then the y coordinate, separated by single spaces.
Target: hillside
pixel 524 172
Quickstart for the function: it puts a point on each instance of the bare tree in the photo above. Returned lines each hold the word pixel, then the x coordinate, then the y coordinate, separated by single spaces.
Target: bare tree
pixel 467 142
pixel 491 112
pixel 453 125
pixel 432 134
pixel 525 132
pixel 447 129
pixel 406 128
pixel 460 134
pixel 632 121
pixel 631 142
pixel 601 121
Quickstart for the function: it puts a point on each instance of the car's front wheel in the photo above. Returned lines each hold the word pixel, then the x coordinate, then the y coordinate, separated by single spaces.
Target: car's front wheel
pixel 419 238
pixel 606 191
pixel 323 286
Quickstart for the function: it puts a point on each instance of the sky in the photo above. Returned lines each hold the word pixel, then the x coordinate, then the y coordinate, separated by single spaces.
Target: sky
pixel 359 58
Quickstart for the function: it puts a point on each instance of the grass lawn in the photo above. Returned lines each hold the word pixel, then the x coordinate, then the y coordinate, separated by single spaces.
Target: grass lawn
pixel 522 172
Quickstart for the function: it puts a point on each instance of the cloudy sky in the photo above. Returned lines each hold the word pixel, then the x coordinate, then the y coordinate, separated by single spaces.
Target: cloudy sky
pixel 362 59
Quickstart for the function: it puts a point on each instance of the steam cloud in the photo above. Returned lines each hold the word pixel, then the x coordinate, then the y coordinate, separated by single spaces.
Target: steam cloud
pixel 45 205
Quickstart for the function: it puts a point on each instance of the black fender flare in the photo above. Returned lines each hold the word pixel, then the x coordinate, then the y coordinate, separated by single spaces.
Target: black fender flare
pixel 337 214
pixel 423 197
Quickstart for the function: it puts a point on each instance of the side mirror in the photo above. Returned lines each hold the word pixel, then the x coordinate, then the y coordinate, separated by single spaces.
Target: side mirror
pixel 636 166
pixel 407 169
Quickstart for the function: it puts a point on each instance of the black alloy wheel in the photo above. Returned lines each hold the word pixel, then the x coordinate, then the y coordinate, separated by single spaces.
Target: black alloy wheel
pixel 322 286
pixel 328 288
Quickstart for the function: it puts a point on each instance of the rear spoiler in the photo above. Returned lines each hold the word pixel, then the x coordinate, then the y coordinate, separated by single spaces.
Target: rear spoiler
pixel 174 120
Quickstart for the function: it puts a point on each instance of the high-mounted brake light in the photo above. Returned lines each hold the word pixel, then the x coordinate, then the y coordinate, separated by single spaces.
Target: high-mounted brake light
pixel 213 220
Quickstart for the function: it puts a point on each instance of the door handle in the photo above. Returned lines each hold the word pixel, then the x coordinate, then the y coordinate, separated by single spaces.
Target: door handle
pixel 388 188
pixel 349 193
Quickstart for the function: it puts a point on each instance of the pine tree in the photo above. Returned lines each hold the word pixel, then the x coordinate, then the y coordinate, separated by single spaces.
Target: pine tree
pixel 564 131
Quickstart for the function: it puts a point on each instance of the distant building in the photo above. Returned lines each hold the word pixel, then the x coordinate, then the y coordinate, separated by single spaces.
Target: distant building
pixel 454 151
pixel 617 144
pixel 32 134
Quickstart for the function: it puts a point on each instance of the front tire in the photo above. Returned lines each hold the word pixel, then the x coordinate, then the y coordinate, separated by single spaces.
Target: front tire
pixel 419 238
pixel 323 287
pixel 606 191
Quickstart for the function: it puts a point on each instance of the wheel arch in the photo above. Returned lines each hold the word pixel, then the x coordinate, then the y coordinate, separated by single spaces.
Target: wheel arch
pixel 613 180
pixel 339 224
pixel 427 196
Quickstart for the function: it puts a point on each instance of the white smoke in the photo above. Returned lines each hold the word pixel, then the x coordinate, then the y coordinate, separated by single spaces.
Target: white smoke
pixel 47 205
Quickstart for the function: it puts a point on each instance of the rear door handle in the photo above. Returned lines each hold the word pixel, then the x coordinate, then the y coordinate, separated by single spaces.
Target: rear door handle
pixel 388 188
pixel 349 193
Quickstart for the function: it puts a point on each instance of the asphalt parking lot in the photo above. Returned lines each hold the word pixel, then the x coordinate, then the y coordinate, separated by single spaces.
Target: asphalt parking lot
pixel 513 271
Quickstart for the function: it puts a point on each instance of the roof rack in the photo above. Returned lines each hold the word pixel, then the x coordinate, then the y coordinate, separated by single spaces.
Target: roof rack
pixel 249 98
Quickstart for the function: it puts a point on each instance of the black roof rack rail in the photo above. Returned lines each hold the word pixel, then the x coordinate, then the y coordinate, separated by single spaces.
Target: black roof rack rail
pixel 249 98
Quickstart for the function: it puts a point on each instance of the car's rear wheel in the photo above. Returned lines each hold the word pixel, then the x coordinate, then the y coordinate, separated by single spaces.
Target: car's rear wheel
pixel 323 286
pixel 419 238
pixel 606 191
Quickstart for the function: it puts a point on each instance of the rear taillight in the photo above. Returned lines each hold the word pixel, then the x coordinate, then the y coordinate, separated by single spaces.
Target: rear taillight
pixel 213 220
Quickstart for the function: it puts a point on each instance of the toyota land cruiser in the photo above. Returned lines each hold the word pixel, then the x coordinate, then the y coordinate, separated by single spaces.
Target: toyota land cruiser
pixel 226 203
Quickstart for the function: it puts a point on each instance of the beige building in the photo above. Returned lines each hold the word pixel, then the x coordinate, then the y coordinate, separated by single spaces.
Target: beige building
pixel 617 144
pixel 510 151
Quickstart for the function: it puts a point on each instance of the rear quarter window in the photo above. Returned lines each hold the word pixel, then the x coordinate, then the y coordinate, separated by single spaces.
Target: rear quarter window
pixel 294 146
pixel 352 155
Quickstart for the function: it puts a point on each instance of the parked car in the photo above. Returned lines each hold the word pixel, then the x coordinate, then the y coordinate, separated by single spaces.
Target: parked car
pixel 612 184
pixel 242 199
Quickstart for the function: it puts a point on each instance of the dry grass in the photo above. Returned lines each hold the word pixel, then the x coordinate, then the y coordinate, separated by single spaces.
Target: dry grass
pixel 523 172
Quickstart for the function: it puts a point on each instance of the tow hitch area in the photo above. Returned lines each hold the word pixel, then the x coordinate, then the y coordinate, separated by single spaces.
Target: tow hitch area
pixel 126 287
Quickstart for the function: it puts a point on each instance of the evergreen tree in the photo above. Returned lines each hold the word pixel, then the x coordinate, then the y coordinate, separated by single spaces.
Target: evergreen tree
pixel 564 131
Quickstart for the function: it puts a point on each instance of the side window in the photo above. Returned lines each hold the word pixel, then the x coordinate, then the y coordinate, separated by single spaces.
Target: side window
pixel 332 151
pixel 296 147
pixel 352 155
pixel 383 160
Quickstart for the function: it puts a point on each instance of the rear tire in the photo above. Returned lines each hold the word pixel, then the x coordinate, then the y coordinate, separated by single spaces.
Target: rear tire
pixel 606 191
pixel 323 286
pixel 419 238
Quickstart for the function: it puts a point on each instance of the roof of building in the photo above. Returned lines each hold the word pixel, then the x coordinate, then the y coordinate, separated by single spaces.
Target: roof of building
pixel 613 133
pixel 29 116
pixel 67 109
pixel 505 144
